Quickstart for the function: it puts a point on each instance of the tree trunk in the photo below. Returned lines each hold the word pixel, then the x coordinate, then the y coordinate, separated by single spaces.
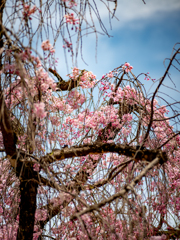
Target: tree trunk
pixel 28 190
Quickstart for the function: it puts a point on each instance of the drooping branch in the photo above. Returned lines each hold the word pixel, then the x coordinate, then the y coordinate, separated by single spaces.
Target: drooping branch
pixel 121 193
pixel 147 155
pixel 9 138
pixel 113 173
pixel 155 92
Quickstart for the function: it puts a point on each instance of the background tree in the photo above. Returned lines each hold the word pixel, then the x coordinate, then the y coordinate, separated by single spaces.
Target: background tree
pixel 81 158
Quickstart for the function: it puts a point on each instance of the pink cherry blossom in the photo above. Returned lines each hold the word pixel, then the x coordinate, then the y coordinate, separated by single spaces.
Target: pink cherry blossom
pixel 126 67
pixel 68 45
pixel 71 19
pixel 27 12
pixel 39 110
pixel 46 46
pixel 110 75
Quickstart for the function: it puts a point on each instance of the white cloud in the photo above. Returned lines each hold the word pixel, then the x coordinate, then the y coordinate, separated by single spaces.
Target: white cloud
pixel 130 12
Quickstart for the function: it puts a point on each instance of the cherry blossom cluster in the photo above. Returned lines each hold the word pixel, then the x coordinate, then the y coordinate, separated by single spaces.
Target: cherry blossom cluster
pixel 9 202
pixel 147 77
pixel 75 99
pixel 46 46
pixel 71 19
pixel 59 104
pixel 68 45
pixel 39 110
pixel 43 81
pixel 162 129
pixel 86 79
pixel 27 11
pixel 97 120
pixel 126 67
pixel 110 74
pixel 33 84
pixel 25 56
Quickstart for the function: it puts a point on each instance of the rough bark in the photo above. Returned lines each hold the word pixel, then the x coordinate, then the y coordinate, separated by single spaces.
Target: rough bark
pixel 28 190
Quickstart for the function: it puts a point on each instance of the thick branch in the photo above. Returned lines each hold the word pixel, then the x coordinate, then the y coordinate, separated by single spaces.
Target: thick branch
pixel 9 138
pixel 99 148
pixel 171 234
pixel 63 85
pixel 7 131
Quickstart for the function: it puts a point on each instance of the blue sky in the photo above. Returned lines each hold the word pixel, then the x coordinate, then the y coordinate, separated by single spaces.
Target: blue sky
pixel 144 36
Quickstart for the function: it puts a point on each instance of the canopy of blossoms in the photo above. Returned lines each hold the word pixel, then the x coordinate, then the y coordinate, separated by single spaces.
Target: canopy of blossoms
pixel 97 158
